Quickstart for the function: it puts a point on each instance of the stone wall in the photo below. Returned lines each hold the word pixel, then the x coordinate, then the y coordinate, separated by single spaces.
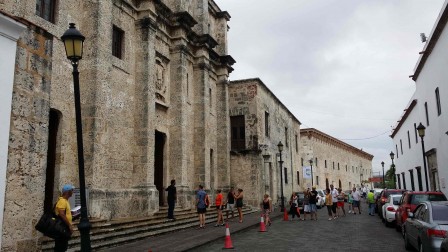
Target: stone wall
pixel 345 163
pixel 171 79
pixel 259 162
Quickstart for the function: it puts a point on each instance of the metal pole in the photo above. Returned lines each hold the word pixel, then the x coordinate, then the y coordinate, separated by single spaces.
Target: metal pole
pixel 424 164
pixel 84 224
pixel 312 178
pixel 281 184
pixel 384 182
pixel 395 179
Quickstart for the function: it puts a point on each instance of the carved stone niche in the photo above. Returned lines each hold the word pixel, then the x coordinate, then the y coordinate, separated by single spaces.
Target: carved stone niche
pixel 161 80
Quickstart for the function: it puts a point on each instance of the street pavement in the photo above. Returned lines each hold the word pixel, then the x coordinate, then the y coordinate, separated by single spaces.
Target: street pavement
pixel 350 233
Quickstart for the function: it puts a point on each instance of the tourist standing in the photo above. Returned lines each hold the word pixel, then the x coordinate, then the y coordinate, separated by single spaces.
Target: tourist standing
pixel 219 203
pixel 172 196
pixel 201 198
pixel 350 202
pixel 267 209
pixel 329 204
pixel 63 211
pixel 341 198
pixel 334 198
pixel 294 203
pixel 306 203
pixel 239 204
pixel 371 202
pixel 313 201
pixel 230 203
pixel 356 197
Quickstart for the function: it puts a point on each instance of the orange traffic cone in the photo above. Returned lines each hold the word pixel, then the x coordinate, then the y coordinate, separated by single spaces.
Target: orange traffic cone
pixel 262 225
pixel 285 215
pixel 228 241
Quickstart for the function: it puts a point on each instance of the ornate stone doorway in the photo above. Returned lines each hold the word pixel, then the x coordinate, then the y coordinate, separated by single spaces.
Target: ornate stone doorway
pixel 53 127
pixel 159 166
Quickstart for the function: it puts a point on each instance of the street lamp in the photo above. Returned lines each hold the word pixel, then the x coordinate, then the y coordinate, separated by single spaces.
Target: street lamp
pixel 421 133
pixel 392 155
pixel 280 149
pixel 73 42
pixel 311 163
pixel 384 182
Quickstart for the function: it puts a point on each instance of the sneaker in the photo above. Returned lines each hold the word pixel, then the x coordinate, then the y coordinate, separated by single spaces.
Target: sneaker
pixel 216 225
pixel 329 219
pixel 350 211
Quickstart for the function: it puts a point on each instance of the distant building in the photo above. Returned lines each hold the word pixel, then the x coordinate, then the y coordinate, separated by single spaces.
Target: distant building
pixel 333 161
pixel 258 122
pixel 428 106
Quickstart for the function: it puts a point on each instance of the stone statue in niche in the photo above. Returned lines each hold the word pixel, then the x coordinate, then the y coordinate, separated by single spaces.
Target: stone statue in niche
pixel 160 81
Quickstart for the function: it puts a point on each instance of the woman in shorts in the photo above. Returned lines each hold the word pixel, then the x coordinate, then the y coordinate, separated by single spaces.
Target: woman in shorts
pixel 306 204
pixel 267 209
pixel 219 203
pixel 341 198
pixel 239 204
pixel 329 203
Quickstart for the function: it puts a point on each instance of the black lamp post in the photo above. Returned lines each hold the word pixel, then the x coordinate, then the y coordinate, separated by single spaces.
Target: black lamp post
pixel 384 182
pixel 73 41
pixel 421 132
pixel 280 149
pixel 392 155
pixel 311 164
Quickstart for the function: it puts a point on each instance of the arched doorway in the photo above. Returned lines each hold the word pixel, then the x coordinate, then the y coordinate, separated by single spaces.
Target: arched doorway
pixel 158 165
pixel 53 128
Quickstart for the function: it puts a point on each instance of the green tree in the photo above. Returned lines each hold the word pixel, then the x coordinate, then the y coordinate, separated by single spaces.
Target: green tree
pixel 389 177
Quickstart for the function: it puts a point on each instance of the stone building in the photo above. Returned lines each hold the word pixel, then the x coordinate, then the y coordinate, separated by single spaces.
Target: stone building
pixel 333 161
pixel 259 121
pixel 154 98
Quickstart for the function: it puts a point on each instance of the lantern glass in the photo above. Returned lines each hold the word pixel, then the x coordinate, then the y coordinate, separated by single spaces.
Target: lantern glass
pixel 421 130
pixel 280 146
pixel 73 42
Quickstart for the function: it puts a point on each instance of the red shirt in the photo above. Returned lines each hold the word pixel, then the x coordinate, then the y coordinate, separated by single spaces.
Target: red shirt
pixel 218 199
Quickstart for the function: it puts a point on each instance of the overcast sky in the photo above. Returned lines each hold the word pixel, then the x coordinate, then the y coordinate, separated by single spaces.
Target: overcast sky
pixel 340 66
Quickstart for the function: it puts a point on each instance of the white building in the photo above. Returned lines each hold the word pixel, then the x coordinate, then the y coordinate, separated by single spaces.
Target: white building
pixel 429 106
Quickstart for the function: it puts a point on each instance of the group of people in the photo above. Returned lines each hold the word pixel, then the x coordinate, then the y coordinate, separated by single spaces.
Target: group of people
pixel 232 201
pixel 334 201
pixel 308 204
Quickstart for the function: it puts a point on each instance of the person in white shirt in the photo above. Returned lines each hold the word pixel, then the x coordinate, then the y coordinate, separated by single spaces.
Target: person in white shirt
pixel 356 197
pixel 364 192
pixel 334 197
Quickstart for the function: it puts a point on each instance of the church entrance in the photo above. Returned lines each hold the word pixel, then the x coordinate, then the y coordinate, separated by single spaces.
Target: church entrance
pixel 158 165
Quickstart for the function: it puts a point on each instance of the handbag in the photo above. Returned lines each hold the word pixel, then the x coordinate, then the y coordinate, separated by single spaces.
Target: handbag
pixel 53 226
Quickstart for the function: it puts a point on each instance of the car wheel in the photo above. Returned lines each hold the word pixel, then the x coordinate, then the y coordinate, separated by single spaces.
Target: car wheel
pixel 407 245
pixel 387 223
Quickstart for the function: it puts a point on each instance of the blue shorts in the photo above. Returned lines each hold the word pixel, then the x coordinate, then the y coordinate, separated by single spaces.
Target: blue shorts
pixel 313 208
pixel 356 203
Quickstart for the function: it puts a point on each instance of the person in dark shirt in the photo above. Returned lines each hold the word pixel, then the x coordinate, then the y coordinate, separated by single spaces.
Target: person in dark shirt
pixel 171 199
pixel 313 201
pixel 230 203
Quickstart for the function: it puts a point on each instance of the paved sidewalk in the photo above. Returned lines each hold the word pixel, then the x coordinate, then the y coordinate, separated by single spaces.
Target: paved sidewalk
pixel 191 238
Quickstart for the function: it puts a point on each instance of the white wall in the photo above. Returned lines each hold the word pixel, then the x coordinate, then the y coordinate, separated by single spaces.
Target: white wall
pixel 433 75
pixel 9 33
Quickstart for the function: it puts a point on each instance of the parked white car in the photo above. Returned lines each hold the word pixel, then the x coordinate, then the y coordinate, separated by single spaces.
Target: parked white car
pixel 320 198
pixel 389 209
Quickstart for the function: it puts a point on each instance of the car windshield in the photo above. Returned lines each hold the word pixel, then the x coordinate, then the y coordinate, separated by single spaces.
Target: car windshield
pixel 440 212
pixel 396 200
pixel 417 198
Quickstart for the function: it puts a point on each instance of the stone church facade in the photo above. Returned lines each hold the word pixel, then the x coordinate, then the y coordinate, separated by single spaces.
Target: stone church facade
pixel 334 161
pixel 155 107
pixel 259 121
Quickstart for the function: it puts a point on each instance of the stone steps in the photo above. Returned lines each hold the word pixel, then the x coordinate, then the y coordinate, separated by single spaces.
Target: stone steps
pixel 105 234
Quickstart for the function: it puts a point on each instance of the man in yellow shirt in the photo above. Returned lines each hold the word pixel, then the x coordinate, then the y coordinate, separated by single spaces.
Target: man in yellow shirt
pixel 371 202
pixel 62 210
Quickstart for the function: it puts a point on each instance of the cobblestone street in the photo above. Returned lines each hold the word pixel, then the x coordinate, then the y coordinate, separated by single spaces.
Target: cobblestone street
pixel 350 233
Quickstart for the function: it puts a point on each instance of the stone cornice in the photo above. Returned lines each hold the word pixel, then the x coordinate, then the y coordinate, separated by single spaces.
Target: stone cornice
pixel 314 133
pixel 223 14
